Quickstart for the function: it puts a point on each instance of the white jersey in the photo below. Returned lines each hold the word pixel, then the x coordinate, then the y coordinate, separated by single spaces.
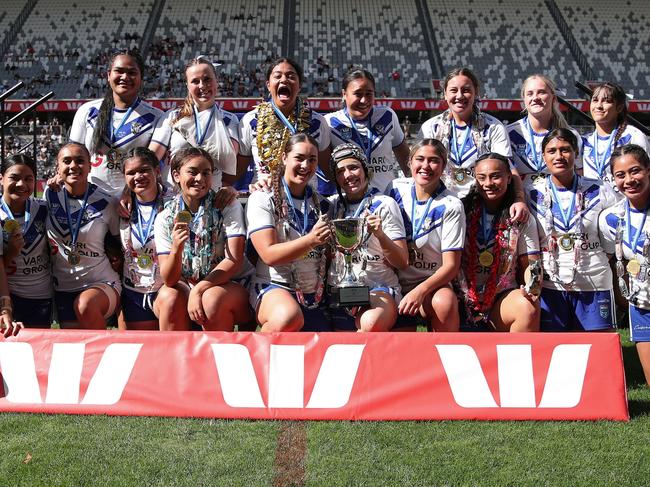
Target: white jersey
pixel 377 135
pixel 441 229
pixel 131 132
pixel 318 129
pixel 526 147
pixel 596 163
pixel 378 272
pixel 260 215
pixel 217 129
pixel 141 271
pixel 635 225
pixel 576 228
pixel 28 275
pixel 232 226
pixel 98 219
pixel 527 244
pixel 466 148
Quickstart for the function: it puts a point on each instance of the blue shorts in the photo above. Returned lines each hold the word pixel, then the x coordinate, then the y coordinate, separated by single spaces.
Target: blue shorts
pixel 316 320
pixel 342 320
pixel 639 324
pixel 577 310
pixel 34 313
pixel 138 306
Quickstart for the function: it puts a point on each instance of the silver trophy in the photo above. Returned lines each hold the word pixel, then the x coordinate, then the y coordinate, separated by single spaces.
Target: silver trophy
pixel 349 234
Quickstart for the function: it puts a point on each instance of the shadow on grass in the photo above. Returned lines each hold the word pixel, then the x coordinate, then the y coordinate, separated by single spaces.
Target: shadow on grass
pixel 638 408
pixel 633 370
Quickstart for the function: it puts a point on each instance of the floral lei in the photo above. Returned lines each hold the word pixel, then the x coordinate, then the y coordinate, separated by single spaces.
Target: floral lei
pixel 200 254
pixel 272 135
pixel 505 243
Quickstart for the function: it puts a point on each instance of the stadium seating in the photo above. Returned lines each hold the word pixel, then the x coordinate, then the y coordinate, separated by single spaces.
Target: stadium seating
pixel 615 38
pixel 8 14
pixel 503 42
pixel 382 36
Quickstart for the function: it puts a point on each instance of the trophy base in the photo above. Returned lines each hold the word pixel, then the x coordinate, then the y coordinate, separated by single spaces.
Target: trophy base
pixel 347 297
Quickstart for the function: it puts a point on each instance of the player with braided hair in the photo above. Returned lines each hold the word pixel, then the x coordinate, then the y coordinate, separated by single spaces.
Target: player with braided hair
pixel 111 126
pixel 496 253
pixel 609 110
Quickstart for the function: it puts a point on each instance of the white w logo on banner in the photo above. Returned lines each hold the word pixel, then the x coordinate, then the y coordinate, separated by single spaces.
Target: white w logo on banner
pixel 286 376
pixel 563 387
pixel 64 375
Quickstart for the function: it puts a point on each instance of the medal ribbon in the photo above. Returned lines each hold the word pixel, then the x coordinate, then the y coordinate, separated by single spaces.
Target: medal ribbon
pixel 7 210
pixel 486 229
pixel 145 235
pixel 112 130
pixel 74 230
pixel 454 140
pixel 634 238
pixel 538 162
pixel 567 214
pixel 294 214
pixel 200 133
pixel 293 129
pixel 369 141
pixel 601 165
pixel 415 223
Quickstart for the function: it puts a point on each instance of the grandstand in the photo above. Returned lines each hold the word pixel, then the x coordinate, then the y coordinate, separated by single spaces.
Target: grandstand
pixel 62 46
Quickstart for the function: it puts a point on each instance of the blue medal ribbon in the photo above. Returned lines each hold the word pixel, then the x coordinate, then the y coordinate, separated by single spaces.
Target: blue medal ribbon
pixel 537 160
pixel 486 230
pixel 200 133
pixel 144 235
pixel 7 210
pixel 415 223
pixel 454 142
pixel 112 130
pixel 293 129
pixel 634 238
pixel 74 230
pixel 294 214
pixel 362 204
pixel 566 215
pixel 366 143
pixel 601 165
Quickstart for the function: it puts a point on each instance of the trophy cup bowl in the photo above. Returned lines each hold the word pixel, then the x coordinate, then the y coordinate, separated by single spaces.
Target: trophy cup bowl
pixel 349 235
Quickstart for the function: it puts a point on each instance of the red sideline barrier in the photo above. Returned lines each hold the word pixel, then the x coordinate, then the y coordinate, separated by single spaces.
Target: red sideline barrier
pixel 391 376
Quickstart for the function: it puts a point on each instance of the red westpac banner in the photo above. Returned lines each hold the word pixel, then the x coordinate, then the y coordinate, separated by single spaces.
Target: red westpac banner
pixel 344 376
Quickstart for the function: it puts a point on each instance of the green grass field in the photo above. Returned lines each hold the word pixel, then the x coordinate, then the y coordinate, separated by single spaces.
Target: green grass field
pixel 101 450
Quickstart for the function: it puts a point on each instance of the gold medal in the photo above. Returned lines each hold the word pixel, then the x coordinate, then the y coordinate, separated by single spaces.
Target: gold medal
pixel 566 242
pixel 183 217
pixel 144 261
pixel 11 226
pixel 486 258
pixel 412 252
pixel 460 176
pixel 73 258
pixel 633 267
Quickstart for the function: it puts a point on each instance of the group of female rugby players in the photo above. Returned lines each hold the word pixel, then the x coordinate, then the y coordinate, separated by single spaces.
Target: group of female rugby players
pixel 524 227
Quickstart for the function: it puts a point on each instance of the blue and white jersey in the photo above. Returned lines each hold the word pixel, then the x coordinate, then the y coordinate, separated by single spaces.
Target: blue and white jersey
pixel 635 225
pixel 260 215
pixel 132 127
pixel 233 225
pixel 217 130
pixel 29 273
pixel 377 135
pixel 441 223
pixel 527 150
pixel 596 163
pixel 378 271
pixel 575 219
pixel 98 219
pixel 318 129
pixel 465 147
pixel 527 244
